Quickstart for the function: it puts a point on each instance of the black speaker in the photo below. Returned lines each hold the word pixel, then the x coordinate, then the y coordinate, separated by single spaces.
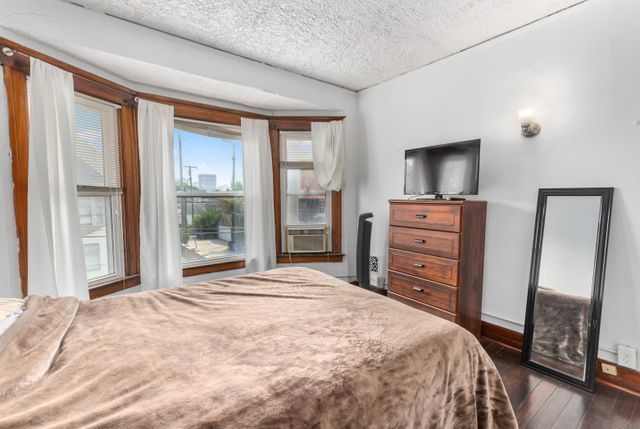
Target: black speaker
pixel 364 245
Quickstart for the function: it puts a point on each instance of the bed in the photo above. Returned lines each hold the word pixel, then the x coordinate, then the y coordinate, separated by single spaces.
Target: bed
pixel 285 348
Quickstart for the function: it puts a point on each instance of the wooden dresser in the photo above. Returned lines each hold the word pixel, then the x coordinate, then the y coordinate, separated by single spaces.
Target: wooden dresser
pixel 436 257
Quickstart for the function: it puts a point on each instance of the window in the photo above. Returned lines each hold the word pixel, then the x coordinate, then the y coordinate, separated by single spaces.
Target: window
pixel 99 188
pixel 306 208
pixel 210 190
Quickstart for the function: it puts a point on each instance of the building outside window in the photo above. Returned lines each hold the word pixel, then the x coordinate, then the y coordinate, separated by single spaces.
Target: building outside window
pixel 210 190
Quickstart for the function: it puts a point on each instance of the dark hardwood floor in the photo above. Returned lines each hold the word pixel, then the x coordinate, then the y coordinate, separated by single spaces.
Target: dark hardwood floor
pixel 543 402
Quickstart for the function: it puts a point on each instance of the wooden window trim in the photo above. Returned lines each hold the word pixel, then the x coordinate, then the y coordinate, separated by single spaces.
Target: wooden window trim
pixel 212 268
pixel 277 125
pixel 114 286
pixel 15 82
pixel 16 69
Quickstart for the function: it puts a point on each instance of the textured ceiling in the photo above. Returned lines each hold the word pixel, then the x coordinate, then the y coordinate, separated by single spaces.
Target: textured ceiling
pixel 350 43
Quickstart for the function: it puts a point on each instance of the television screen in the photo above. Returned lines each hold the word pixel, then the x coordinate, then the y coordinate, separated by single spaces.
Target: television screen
pixel 450 169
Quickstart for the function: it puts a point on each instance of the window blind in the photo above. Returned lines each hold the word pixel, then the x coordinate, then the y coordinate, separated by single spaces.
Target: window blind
pixel 97 144
pixel 296 148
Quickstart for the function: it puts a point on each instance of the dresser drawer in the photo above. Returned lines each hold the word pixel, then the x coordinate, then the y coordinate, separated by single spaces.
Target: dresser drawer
pixel 439 217
pixel 434 294
pixel 424 307
pixel 445 244
pixel 434 268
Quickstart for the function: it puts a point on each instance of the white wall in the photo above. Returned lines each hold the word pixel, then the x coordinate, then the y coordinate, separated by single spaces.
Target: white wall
pixel 581 70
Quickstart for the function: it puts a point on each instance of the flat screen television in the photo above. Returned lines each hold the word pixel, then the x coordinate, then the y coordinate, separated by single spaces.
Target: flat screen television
pixel 449 169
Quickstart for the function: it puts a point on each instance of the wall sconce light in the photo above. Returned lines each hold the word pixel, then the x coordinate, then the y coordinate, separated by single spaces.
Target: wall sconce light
pixel 529 126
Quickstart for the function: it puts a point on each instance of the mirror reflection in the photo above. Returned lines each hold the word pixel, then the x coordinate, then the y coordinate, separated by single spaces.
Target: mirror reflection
pixel 565 283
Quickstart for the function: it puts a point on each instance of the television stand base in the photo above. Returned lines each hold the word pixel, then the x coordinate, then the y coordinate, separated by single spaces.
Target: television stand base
pixel 430 197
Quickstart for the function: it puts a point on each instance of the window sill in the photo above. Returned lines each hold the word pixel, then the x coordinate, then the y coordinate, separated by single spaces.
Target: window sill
pixel 212 268
pixel 113 287
pixel 301 258
pixel 126 283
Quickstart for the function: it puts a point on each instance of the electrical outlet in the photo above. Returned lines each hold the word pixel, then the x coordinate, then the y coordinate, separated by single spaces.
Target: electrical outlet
pixel 609 369
pixel 627 356
pixel 373 264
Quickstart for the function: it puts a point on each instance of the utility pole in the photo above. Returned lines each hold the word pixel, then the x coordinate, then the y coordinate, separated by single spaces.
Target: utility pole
pixel 191 168
pixel 183 200
pixel 232 200
pixel 181 165
pixel 233 169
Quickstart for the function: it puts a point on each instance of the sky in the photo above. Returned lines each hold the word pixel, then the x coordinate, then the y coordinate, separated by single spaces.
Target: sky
pixel 210 155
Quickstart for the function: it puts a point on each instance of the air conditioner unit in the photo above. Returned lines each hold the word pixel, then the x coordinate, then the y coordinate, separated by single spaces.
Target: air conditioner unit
pixel 307 239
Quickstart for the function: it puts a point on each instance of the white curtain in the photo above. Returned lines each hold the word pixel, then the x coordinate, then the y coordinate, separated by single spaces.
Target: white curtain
pixel 55 250
pixel 327 140
pixel 9 272
pixel 160 258
pixel 260 235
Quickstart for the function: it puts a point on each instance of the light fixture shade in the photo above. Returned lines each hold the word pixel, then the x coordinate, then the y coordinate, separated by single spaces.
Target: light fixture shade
pixel 527 114
pixel 529 127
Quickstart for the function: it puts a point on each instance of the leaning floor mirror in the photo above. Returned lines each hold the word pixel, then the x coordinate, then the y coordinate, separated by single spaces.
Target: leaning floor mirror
pixel 566 283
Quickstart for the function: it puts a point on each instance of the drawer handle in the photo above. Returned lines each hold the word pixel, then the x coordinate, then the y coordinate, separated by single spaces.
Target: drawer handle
pixel 417 289
pixel 420 241
pixel 418 265
pixel 421 216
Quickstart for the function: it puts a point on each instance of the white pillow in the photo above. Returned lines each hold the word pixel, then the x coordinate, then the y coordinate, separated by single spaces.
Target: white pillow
pixel 10 310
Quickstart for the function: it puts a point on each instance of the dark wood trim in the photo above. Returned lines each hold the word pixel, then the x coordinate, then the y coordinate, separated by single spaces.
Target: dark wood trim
pixel 431 201
pixel 212 268
pixel 15 82
pixel 130 174
pixel 627 380
pixel 336 222
pixel 301 258
pixel 18 61
pixel 274 137
pixel 291 119
pixel 202 112
pixel 113 287
pixel 503 336
pixel 95 89
pixel 299 123
pixel 133 281
pixel 289 125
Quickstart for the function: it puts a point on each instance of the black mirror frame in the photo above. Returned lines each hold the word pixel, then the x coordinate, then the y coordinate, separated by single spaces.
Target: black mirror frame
pixel 595 310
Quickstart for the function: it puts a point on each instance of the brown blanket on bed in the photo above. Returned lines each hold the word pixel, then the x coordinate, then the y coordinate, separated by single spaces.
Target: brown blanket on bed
pixel 285 348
